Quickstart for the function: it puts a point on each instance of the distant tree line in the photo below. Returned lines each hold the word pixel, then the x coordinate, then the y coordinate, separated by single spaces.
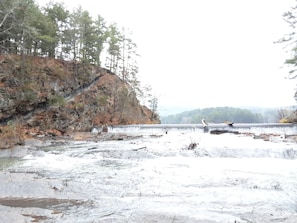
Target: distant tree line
pixel 216 115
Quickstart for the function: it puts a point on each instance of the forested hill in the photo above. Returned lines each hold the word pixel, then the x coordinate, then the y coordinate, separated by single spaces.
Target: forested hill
pixel 54 32
pixel 55 94
pixel 64 71
pixel 216 115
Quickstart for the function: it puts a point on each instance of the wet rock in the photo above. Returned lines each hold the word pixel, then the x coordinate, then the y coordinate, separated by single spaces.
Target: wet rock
pixel 222 131
pixel 291 137
pixel 192 146
pixel 104 128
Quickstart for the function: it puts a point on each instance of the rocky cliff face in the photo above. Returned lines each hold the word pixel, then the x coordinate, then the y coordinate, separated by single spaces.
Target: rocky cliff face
pixel 46 94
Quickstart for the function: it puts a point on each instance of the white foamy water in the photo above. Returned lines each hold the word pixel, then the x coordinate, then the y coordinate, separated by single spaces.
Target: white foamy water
pixel 156 177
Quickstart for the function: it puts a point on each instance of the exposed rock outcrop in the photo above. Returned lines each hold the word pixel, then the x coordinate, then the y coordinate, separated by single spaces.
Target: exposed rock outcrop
pixel 47 94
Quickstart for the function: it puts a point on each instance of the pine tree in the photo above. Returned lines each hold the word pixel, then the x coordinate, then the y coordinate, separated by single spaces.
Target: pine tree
pixel 114 53
pixel 57 13
pixel 100 38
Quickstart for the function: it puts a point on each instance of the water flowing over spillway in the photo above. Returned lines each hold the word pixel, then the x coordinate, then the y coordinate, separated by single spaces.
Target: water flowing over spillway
pixel 159 174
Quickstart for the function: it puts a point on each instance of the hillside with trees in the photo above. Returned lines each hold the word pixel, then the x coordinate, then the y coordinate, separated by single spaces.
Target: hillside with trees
pixel 63 71
pixel 54 32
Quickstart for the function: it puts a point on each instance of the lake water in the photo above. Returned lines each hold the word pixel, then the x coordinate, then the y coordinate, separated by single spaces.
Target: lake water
pixel 157 175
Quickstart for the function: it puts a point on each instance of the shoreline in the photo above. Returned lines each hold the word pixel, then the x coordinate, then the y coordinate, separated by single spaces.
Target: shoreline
pixel 107 136
pixel 48 140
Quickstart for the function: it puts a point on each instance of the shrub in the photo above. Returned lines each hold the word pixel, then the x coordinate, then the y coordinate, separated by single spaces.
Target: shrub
pixel 57 100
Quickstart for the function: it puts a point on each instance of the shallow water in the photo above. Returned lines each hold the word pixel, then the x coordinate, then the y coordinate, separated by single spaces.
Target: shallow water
pixel 155 177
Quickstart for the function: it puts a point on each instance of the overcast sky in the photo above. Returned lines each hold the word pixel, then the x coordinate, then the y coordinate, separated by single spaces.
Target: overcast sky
pixel 201 53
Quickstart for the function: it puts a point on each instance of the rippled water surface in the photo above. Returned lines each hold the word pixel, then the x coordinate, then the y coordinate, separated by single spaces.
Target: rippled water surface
pixel 161 174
